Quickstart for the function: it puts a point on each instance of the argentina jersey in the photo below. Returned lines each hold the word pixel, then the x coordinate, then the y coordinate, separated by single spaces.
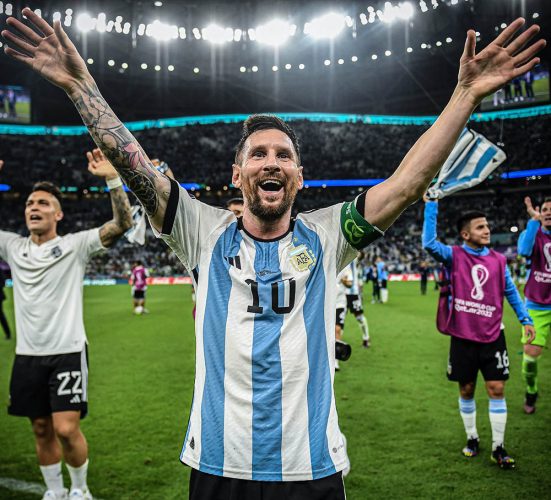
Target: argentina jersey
pixel 263 405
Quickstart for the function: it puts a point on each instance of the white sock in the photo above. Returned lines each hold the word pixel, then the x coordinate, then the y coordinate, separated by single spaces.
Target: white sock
pixel 363 325
pixel 336 364
pixel 78 476
pixel 53 477
pixel 467 409
pixel 498 421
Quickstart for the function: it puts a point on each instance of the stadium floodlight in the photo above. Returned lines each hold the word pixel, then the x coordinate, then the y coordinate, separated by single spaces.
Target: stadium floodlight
pixel 354 58
pixel 327 62
pixel 124 65
pixel 274 68
pixel 254 69
pixel 388 53
pixel 158 3
pixel 405 10
pixel 514 229
pixel 288 66
pixel 111 62
pixel 214 34
pixel 341 61
pixel 170 67
pixel 423 6
pixel 141 29
pixel 196 33
pixel 161 31
pixel 182 32
pixel 326 26
pixel 126 28
pixel 449 40
pixel 196 70
pixel 157 67
pixel 535 15
pixel 363 18
pixel 409 50
pixel 242 69
pixel 374 57
pixel 237 33
pixel 438 43
pixel 90 60
pixel 301 66
pixel 85 22
pixel 143 66
pixel 275 32
pixel 100 24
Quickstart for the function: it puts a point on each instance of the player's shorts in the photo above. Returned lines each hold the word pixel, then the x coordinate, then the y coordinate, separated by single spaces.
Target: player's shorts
pixel 383 283
pixel 42 385
pixel 542 324
pixel 139 294
pixel 339 317
pixel 354 304
pixel 467 358
pixel 203 486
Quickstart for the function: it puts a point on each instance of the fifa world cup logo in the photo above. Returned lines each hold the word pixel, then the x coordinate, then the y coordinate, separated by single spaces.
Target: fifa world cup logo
pixel 480 275
pixel 547 254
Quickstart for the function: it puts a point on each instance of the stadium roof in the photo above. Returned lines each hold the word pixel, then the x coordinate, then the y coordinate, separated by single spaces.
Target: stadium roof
pixel 177 59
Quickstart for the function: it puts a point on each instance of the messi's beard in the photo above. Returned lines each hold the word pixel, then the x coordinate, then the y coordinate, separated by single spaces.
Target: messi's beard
pixel 269 213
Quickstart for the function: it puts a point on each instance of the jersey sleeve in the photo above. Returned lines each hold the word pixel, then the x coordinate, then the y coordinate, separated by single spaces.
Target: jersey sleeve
pixel 329 221
pixel 6 239
pixel 188 224
pixel 88 243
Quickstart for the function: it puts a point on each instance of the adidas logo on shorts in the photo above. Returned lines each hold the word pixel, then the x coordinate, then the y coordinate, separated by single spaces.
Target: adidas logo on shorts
pixel 75 399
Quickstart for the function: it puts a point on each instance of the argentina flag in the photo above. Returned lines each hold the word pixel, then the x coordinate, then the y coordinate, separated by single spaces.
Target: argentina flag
pixel 472 159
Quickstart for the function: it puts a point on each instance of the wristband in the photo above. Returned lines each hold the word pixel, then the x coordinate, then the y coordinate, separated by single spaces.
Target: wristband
pixel 113 183
pixel 356 230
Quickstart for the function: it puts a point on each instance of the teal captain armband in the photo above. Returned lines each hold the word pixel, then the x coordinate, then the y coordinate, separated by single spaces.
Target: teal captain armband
pixel 356 230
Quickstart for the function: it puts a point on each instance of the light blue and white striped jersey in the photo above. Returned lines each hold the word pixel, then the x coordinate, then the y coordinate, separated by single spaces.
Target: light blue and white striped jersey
pixel 263 405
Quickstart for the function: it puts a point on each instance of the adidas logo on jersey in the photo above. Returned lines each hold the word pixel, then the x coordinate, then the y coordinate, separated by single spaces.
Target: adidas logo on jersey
pixel 75 399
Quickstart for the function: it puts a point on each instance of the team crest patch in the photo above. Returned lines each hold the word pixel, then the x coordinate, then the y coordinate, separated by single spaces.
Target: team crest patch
pixel 302 258
pixel 56 252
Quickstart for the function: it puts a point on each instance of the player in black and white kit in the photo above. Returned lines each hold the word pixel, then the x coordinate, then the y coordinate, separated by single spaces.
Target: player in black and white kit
pixel 49 381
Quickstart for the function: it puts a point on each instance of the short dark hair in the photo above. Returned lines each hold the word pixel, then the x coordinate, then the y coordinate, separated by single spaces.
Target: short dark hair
pixel 466 218
pixel 49 187
pixel 547 199
pixel 237 201
pixel 254 123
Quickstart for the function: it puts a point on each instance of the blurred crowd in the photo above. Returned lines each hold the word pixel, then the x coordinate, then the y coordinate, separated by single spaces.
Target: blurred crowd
pixel 204 153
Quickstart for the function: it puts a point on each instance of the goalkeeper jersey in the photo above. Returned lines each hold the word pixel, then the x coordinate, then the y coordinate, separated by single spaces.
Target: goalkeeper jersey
pixel 263 405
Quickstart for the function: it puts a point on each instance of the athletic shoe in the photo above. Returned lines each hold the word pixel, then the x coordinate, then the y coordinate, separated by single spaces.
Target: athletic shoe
pixel 530 403
pixel 77 494
pixel 366 343
pixel 472 448
pixel 51 495
pixel 500 457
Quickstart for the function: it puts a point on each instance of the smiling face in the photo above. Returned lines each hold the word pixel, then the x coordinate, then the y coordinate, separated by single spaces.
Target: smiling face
pixel 546 215
pixel 268 174
pixel 42 213
pixel 476 232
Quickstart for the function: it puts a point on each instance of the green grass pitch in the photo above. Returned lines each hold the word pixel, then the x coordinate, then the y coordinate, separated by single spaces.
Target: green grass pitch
pixel 395 406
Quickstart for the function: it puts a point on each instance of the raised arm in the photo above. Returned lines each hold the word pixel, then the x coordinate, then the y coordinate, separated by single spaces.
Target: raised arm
pixel 479 75
pixel 51 54
pixel 439 251
pixel 527 238
pixel 111 231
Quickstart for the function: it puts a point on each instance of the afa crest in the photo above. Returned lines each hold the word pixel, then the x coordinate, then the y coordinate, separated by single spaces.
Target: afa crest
pixel 302 258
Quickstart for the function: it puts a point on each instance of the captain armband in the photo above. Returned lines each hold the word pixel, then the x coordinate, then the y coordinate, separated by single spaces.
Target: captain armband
pixel 356 230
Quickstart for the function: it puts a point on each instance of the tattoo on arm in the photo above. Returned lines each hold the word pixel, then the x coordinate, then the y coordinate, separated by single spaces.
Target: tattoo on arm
pixel 111 231
pixel 122 149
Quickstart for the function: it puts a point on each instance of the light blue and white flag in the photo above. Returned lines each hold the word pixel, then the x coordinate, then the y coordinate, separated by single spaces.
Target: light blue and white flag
pixel 136 234
pixel 472 159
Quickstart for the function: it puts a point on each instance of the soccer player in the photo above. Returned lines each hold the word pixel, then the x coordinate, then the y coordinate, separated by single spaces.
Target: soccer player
pixel 535 243
pixel 350 279
pixel 235 205
pixel 382 279
pixel 263 419
pixel 470 310
pixel 138 280
pixel 49 381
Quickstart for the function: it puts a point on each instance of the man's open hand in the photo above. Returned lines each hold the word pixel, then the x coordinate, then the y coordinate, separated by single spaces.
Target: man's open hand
pixel 99 165
pixel 48 51
pixel 502 60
